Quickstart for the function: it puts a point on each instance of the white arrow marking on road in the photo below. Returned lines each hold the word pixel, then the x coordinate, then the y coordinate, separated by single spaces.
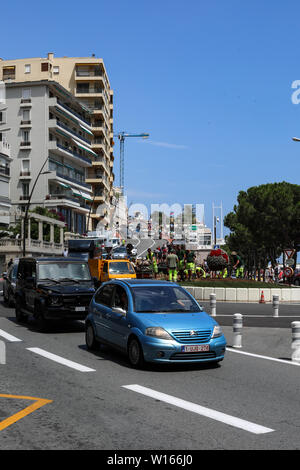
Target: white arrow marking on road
pixel 201 410
pixel 61 360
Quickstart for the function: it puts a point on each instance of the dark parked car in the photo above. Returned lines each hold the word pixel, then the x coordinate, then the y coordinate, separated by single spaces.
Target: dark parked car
pixel 53 288
pixel 9 283
pixel 120 253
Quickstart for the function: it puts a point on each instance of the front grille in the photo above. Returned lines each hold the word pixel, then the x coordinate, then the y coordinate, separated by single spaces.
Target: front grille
pixel 77 300
pixel 193 356
pixel 185 336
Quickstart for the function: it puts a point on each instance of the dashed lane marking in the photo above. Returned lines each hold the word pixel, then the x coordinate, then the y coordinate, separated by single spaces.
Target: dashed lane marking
pixel 201 410
pixel 9 337
pixel 61 360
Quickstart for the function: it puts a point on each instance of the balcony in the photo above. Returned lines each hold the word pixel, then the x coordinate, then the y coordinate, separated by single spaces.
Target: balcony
pixel 68 151
pixel 5 149
pixel 25 145
pixel 25 175
pixel 57 102
pixel 71 131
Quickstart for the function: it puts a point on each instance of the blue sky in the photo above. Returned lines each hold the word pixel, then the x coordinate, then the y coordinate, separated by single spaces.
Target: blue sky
pixel 209 81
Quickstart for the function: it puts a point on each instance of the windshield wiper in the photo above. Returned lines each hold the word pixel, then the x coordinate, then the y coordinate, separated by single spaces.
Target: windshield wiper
pixel 48 279
pixel 68 279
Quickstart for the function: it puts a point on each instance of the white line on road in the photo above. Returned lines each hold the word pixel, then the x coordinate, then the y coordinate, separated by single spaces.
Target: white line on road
pixel 283 361
pixel 8 336
pixel 61 360
pixel 207 412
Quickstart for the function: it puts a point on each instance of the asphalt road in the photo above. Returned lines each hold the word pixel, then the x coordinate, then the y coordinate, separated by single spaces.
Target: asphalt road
pixel 96 401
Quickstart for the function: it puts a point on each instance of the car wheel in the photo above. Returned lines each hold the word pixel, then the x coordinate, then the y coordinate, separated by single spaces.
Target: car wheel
pixel 135 353
pixel 20 317
pixel 10 301
pixel 297 282
pixel 40 321
pixel 90 338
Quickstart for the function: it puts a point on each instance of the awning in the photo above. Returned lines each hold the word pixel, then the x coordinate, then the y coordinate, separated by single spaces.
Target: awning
pixel 66 115
pixel 84 147
pixel 63 185
pixel 82 194
pixel 86 130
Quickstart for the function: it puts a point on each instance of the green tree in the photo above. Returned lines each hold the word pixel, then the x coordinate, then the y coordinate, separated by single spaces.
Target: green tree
pixel 265 221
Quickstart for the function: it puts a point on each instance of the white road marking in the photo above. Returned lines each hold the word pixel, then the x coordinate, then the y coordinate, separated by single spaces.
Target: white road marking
pixel 146 249
pixel 9 337
pixel 207 412
pixel 283 361
pixel 61 360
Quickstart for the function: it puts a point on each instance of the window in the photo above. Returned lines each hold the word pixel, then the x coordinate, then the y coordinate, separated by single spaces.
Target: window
pixel 56 69
pixel 25 189
pixel 9 73
pixel 44 66
pixel 26 135
pixel 25 116
pixel 26 93
pixel 26 166
pixel 121 299
pixel 104 295
pixel 27 68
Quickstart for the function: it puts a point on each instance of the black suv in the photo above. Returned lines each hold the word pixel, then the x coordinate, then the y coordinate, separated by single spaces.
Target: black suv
pixel 53 288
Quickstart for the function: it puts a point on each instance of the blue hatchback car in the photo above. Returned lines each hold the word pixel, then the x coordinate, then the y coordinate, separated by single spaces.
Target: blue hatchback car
pixel 153 321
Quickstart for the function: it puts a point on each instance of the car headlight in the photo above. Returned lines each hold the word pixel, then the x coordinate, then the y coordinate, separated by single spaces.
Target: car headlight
pixel 217 331
pixel 158 332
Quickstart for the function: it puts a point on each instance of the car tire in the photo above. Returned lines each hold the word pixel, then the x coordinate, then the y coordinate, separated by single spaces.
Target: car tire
pixel 297 282
pixel 20 317
pixel 40 321
pixel 90 339
pixel 135 353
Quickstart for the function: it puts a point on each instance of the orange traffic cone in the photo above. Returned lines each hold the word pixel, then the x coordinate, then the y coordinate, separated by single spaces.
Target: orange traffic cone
pixel 262 298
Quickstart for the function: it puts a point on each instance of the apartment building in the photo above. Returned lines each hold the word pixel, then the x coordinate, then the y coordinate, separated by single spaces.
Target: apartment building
pixel 5 159
pixel 51 142
pixel 86 79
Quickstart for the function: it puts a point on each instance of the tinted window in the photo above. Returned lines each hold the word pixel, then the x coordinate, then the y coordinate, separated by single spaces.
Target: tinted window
pixel 121 299
pixel 104 295
pixel 167 299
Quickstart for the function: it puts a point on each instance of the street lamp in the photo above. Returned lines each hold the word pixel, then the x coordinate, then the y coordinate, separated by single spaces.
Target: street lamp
pixel 28 204
pixel 216 219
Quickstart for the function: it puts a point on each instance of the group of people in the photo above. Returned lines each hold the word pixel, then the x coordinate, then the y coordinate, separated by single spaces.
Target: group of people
pixel 180 263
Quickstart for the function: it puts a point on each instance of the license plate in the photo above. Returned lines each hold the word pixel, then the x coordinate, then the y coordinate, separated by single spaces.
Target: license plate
pixel 79 309
pixel 195 348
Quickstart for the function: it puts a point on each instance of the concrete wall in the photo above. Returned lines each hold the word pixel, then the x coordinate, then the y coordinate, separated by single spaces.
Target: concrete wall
pixel 245 295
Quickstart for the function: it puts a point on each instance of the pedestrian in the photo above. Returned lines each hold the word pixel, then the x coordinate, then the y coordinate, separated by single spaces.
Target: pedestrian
pixel 190 263
pixel 172 264
pixel 152 259
pixel 10 262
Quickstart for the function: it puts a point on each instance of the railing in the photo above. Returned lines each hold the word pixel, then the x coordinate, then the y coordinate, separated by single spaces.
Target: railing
pixel 25 144
pixel 89 90
pixel 79 136
pixel 73 180
pixel 72 111
pixel 75 154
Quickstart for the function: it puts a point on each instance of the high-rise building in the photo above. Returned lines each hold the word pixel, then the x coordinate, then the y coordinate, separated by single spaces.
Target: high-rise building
pixel 5 159
pixel 86 79
pixel 51 143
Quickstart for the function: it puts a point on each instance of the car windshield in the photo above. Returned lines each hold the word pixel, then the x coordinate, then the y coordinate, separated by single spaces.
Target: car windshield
pixel 163 299
pixel 121 249
pixel 64 270
pixel 121 268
